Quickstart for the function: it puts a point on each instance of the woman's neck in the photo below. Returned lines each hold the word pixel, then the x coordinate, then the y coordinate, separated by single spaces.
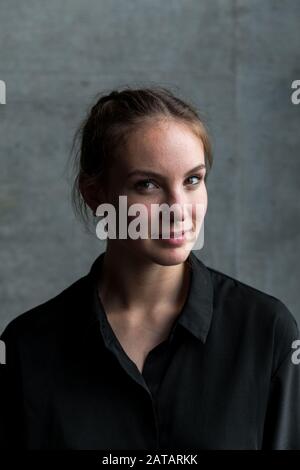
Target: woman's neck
pixel 142 285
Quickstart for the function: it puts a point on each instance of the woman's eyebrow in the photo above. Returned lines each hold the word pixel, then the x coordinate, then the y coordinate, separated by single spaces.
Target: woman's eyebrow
pixel 153 173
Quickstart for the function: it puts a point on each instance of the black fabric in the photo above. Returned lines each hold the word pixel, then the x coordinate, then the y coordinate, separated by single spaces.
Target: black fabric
pixel 223 379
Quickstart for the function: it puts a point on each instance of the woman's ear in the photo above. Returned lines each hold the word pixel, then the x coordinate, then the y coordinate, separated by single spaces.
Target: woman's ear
pixel 92 192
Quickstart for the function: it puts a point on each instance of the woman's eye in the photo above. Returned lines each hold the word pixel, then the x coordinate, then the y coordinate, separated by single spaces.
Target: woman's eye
pixel 144 184
pixel 198 179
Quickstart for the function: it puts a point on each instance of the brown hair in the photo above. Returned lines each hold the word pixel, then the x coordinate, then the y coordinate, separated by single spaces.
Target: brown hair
pixel 108 125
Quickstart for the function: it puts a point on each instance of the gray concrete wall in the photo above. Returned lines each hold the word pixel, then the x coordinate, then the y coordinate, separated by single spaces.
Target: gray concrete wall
pixel 235 59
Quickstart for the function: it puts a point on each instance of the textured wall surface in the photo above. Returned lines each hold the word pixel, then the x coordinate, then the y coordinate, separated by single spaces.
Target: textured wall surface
pixel 234 59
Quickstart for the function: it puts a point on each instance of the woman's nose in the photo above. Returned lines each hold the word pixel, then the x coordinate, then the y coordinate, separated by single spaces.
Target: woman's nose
pixel 178 206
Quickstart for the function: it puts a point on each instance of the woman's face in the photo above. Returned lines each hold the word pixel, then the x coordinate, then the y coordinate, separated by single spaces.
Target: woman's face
pixel 163 163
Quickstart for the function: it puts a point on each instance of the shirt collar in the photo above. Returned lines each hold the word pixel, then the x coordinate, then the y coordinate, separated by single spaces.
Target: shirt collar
pixel 196 314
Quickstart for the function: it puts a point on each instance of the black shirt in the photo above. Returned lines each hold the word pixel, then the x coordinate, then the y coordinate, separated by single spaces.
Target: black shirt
pixel 223 379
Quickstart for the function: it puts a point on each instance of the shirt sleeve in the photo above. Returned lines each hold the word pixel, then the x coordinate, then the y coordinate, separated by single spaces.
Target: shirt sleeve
pixel 282 423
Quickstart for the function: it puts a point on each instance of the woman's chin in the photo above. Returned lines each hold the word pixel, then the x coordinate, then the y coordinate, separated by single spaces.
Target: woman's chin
pixel 170 255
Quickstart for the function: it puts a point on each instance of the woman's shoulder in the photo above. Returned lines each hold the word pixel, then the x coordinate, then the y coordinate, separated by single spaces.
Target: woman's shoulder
pixel 248 299
pixel 49 317
pixel 260 314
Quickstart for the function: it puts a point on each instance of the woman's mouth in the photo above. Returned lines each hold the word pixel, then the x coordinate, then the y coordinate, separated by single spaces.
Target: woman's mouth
pixel 175 238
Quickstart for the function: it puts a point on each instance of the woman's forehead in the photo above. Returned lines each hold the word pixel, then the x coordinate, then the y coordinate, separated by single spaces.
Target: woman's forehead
pixel 164 148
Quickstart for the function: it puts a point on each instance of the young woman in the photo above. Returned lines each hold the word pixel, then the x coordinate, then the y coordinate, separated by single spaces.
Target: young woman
pixel 151 349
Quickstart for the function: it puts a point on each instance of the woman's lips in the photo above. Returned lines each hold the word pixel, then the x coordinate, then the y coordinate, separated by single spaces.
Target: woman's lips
pixel 175 238
pixel 177 234
pixel 173 235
